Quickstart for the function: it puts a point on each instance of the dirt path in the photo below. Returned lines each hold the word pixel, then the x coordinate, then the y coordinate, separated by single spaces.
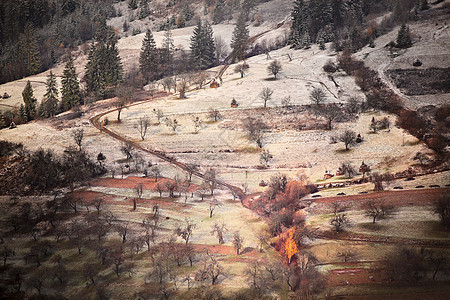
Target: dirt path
pixel 95 121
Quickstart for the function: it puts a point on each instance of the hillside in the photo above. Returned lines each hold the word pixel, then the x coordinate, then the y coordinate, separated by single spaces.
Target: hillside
pixel 199 197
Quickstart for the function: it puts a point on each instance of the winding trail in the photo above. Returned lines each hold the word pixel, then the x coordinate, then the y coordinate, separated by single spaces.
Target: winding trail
pixel 95 121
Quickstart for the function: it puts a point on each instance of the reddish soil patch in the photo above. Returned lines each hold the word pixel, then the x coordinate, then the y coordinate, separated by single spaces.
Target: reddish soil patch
pixel 112 199
pixel 131 182
pixel 353 276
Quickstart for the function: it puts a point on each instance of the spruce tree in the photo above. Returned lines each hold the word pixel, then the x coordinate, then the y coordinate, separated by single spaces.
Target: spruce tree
pixel 239 40
pixel 300 23
pixel 30 102
pixel 196 46
pixel 50 101
pixel 104 67
pixel 209 53
pixel 404 37
pixel 29 50
pixel 219 11
pixel 148 59
pixel 168 49
pixel 202 46
pixel 70 89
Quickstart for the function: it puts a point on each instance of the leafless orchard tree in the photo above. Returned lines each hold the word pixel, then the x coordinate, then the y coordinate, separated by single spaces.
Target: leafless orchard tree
pixel 127 149
pixel 219 229
pixel 210 178
pixel 212 206
pixel 266 95
pixel 138 189
pixel 238 241
pixel 197 123
pixel 122 230
pixel 142 126
pixel 97 202
pixel 265 157
pixel 211 270
pixel 173 124
pixel 241 68
pixel 378 210
pixel 78 135
pixel 200 79
pixel 348 137
pixel 255 130
pixel 331 113
pixel 214 114
pixel 183 85
pixel 159 115
pixel 317 96
pixel 185 231
pixel 339 222
pixel 274 68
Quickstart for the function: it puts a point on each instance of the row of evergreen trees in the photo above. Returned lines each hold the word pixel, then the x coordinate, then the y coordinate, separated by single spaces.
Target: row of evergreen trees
pixel 343 22
pixel 50 104
pixel 156 62
pixel 35 33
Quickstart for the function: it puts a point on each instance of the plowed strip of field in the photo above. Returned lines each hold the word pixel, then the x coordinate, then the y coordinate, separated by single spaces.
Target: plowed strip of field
pixel 397 198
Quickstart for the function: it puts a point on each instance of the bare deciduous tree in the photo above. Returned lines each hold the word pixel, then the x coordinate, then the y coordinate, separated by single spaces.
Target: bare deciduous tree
pixel 159 115
pixel 127 149
pixel 156 171
pixel 241 68
pixel 331 112
pixel 213 204
pixel 211 270
pixel 317 97
pixel 78 135
pixel 219 229
pixel 339 222
pixel 214 114
pixel 265 157
pixel 142 126
pixel 173 124
pixel 238 241
pixel 138 190
pixel 185 231
pixel 197 123
pixel 210 178
pixel 266 95
pixel 348 137
pixel 274 68
pixel 255 130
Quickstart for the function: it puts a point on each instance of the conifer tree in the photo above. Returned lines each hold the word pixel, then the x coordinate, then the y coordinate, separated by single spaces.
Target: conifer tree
pixel 104 67
pixel 219 11
pixel 202 46
pixel 70 90
pixel 148 59
pixel 404 37
pixel 300 23
pixel 30 101
pixel 168 49
pixel 29 50
pixel 50 101
pixel 239 40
